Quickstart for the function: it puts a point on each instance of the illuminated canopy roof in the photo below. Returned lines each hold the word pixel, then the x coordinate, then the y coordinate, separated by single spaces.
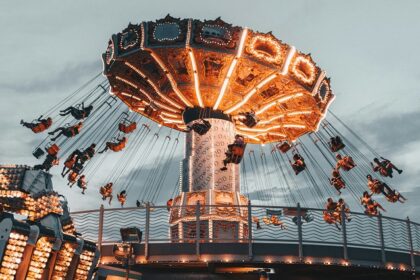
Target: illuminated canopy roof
pixel 160 68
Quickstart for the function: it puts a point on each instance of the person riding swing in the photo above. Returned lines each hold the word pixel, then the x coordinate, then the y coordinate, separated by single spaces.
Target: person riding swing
pixel 69 131
pixel 337 181
pixel 235 152
pixel 38 125
pixel 115 146
pixel 78 114
pixel 336 144
pixel 81 183
pixel 384 167
pixel 346 163
pixel 298 163
pixel 122 197
pixel 106 192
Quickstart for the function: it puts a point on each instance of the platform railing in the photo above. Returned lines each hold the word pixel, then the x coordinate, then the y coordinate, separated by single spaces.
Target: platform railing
pixel 363 231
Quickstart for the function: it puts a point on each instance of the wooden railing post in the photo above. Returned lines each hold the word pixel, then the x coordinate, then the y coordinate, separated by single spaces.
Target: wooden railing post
pixel 381 239
pixel 197 230
pixel 344 231
pixel 101 226
pixel 147 232
pixel 250 253
pixel 410 240
pixel 300 234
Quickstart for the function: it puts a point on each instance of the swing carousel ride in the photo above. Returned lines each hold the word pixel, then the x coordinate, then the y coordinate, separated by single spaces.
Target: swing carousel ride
pixel 252 109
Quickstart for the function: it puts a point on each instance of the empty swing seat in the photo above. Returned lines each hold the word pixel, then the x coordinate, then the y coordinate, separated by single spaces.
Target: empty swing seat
pixel 38 153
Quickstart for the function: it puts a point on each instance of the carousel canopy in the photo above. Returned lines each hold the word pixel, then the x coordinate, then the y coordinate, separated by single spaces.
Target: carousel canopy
pixel 161 69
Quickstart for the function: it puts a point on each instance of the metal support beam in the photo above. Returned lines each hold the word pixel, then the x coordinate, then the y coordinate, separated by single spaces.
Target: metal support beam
pixel 344 231
pixel 300 234
pixel 410 240
pixel 146 232
pixel 250 254
pixel 381 239
pixel 101 226
pixel 197 230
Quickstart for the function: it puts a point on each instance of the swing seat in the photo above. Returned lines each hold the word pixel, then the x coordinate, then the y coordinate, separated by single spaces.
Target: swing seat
pixel 336 144
pixel 38 153
pixel 284 147
pixel 127 128
pixel 328 218
pixel 238 150
pixel 237 153
pixel 250 120
pixel 72 177
pixel 117 148
pixel 39 128
pixel 149 111
pixel 201 127
pixel 52 149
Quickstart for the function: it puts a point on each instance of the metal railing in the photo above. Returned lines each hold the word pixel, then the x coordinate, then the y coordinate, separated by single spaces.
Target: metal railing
pixel 363 231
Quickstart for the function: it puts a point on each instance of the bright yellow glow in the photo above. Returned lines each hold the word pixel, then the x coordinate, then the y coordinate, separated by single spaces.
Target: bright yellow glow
pixel 294 126
pixel 153 85
pixel 171 80
pixel 196 80
pixel 169 120
pixel 301 75
pixel 251 93
pixel 170 115
pixel 318 83
pixel 276 58
pixel 126 81
pixel 244 128
pixel 290 55
pixel 231 69
pixel 271 119
pixel 281 99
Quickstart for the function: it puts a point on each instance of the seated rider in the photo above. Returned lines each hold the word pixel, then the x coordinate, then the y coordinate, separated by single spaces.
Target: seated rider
pixel 78 114
pixel 122 196
pixel 394 196
pixel 169 204
pixel 68 164
pixel 249 119
pixel 342 206
pixel 106 192
pixel 299 163
pixel 115 146
pixel 81 183
pixel 336 144
pixel 39 125
pixel 256 220
pixel 70 131
pixel 337 181
pixel 371 206
pixel 346 162
pixel 74 172
pixel 230 156
pixel 384 167
pixel 275 221
pixel 377 186
pixel 86 154
pixel 331 215
pixel 50 161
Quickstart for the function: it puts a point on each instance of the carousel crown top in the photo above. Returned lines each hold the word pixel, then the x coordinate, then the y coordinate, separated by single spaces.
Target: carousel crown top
pixel 172 69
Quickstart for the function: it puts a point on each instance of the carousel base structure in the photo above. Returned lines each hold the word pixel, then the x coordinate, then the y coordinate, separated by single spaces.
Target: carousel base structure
pixel 222 222
pixel 45 246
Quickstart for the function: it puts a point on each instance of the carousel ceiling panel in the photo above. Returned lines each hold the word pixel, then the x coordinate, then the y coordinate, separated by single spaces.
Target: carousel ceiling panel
pixel 162 68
